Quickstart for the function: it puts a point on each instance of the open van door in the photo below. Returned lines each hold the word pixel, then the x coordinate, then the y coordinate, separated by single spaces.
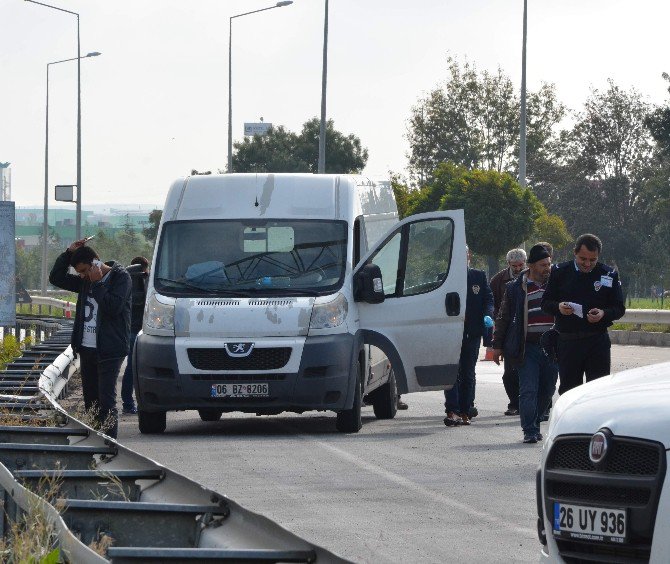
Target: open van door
pixel 411 292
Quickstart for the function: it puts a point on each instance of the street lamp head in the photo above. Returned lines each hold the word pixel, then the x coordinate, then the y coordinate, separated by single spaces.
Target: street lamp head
pixel 93 54
pixel 284 3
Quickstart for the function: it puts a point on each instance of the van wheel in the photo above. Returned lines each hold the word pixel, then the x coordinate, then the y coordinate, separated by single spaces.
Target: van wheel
pixel 210 414
pixel 385 401
pixel 349 420
pixel 151 422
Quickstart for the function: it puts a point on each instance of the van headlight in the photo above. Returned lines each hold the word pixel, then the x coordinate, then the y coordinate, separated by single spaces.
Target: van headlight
pixel 331 314
pixel 158 316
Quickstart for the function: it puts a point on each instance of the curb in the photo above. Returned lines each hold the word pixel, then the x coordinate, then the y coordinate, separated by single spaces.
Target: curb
pixel 640 338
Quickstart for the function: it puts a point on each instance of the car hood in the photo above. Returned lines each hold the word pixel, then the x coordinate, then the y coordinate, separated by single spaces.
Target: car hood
pixel 242 317
pixel 633 403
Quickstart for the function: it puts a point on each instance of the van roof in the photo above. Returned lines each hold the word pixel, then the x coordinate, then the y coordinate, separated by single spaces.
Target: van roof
pixel 285 195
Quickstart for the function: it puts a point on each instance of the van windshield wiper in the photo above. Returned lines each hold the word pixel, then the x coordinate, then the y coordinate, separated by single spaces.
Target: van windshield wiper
pixel 183 284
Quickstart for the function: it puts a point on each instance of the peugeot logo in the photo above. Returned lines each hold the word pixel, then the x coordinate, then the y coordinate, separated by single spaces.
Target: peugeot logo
pixel 598 447
pixel 239 349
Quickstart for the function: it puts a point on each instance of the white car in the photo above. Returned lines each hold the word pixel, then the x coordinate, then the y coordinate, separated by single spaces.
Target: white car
pixel 602 487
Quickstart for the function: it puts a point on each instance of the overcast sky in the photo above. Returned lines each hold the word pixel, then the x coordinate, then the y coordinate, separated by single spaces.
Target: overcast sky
pixel 155 103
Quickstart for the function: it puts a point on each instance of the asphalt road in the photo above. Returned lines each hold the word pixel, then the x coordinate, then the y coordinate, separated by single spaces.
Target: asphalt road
pixel 405 490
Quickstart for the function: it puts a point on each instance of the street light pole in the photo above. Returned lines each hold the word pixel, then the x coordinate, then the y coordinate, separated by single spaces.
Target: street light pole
pixel 230 74
pixel 324 76
pixel 45 222
pixel 522 129
pixel 78 212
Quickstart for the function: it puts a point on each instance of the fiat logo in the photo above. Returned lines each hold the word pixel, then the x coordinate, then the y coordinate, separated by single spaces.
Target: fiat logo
pixel 598 447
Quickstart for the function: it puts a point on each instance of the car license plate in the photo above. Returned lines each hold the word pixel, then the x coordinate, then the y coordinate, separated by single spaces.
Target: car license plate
pixel 240 390
pixel 590 523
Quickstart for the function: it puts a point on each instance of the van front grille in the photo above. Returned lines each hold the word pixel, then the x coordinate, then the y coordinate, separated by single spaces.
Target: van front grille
pixel 271 358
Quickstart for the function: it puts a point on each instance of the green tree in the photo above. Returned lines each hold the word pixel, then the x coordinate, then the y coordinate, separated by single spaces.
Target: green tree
pixel 285 151
pixel 473 120
pixel 151 231
pixel 551 228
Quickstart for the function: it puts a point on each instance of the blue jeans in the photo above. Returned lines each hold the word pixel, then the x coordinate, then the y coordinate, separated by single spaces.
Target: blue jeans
pixel 459 399
pixel 537 384
pixel 127 381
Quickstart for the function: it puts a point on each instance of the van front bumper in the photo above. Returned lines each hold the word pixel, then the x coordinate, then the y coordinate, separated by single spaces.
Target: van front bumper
pixel 321 383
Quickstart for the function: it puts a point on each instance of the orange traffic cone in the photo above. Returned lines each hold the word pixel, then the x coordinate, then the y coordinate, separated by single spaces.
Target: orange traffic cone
pixel 489 354
pixel 68 310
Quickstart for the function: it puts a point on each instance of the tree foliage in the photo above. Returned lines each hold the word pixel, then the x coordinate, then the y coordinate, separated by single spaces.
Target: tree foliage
pixel 151 231
pixel 285 151
pixel 472 119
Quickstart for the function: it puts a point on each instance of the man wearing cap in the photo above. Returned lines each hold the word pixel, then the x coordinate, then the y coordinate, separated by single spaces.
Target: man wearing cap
pixel 516 338
pixel 585 296
pixel 516 263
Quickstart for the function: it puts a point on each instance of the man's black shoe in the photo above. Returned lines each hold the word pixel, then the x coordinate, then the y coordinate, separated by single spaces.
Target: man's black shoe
pixel 511 411
pixel 539 437
pixel 473 412
pixel 402 405
pixel 529 439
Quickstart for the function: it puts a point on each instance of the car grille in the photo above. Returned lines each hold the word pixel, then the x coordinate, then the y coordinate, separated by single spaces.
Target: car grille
pixel 629 458
pixel 630 477
pixel 222 378
pixel 258 359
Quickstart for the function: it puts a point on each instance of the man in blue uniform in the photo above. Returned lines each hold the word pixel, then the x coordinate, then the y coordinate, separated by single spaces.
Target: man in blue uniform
pixel 479 303
pixel 585 297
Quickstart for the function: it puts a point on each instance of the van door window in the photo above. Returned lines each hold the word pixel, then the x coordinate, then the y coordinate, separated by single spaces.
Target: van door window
pixel 428 255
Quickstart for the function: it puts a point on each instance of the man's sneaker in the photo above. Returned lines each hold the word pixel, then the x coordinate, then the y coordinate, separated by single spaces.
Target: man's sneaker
pixel 129 410
pixel 512 411
pixel 539 437
pixel 401 405
pixel 473 412
pixel 529 438
pixel 452 420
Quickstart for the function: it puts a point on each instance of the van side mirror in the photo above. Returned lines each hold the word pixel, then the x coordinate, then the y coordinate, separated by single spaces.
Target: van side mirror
pixel 368 285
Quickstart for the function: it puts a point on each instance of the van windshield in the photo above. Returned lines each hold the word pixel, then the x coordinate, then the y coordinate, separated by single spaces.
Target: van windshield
pixel 251 257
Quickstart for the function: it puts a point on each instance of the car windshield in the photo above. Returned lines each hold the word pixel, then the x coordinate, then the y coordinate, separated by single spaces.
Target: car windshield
pixel 251 257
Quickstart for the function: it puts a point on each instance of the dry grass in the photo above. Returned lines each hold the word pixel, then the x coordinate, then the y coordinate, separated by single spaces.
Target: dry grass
pixel 101 545
pixel 32 538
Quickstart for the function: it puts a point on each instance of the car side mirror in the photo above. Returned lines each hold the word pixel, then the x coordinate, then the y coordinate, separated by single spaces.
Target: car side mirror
pixel 368 285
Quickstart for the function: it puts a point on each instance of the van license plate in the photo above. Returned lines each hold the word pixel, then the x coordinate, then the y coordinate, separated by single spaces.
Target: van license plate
pixel 240 390
pixel 590 523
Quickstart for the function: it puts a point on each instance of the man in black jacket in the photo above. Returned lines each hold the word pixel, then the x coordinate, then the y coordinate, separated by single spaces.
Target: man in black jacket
pixel 101 329
pixel 139 276
pixel 585 296
pixel 479 303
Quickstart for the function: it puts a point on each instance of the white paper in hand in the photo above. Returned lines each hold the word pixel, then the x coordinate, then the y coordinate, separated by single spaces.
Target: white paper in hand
pixel 577 309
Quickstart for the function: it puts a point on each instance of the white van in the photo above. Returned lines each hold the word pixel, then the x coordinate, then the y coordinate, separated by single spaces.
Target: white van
pixel 291 292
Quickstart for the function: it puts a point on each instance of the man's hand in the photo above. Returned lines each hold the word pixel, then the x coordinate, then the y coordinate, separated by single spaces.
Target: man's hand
pixel 497 356
pixel 594 315
pixel 95 273
pixel 565 309
pixel 74 246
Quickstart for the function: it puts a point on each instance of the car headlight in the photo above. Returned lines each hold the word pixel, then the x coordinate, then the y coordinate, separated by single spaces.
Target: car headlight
pixel 331 314
pixel 158 316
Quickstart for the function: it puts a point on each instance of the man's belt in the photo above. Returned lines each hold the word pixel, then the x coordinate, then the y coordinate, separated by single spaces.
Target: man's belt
pixel 579 335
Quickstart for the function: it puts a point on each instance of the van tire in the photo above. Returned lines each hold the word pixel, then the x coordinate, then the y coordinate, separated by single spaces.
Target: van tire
pixel 210 414
pixel 349 420
pixel 385 400
pixel 151 422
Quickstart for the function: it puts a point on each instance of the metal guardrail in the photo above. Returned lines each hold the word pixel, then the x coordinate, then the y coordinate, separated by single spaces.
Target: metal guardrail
pixel 651 316
pixel 150 513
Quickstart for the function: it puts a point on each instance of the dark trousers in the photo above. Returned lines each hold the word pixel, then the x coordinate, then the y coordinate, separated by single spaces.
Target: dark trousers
pixel 511 382
pixel 577 357
pixel 127 381
pixel 98 381
pixel 459 399
pixel 537 383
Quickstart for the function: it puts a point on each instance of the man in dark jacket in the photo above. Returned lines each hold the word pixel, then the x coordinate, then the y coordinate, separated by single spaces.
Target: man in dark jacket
pixel 479 303
pixel 585 296
pixel 101 325
pixel 516 263
pixel 139 276
pixel 518 329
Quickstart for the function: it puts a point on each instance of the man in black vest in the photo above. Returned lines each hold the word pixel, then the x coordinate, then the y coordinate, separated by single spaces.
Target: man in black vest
pixel 585 297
